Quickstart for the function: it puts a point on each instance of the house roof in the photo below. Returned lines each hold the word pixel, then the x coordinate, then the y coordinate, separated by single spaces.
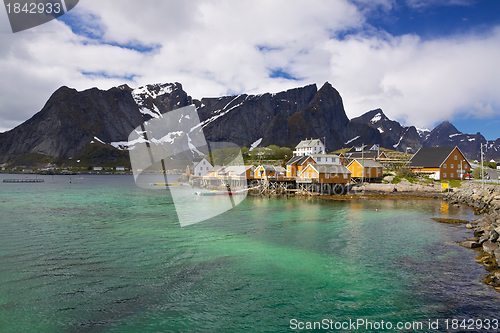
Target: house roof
pixel 198 161
pixel 267 167
pixel 280 169
pixel 367 163
pixel 308 143
pixel 299 160
pixel 304 159
pixel 330 168
pixel 431 157
pixel 324 155
pixel 293 160
pixel 217 168
pixel 238 169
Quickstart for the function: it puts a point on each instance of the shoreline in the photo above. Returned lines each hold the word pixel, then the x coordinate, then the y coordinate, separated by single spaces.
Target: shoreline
pixel 403 190
pixel 485 200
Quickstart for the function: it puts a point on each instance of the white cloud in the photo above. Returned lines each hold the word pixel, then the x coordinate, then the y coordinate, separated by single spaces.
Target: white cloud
pixel 220 47
pixel 414 81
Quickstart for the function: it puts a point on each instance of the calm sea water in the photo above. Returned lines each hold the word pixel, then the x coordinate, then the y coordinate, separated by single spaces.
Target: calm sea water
pixel 100 254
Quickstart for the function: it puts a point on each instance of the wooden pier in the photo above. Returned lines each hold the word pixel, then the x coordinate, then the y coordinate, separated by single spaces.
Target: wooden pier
pixel 26 180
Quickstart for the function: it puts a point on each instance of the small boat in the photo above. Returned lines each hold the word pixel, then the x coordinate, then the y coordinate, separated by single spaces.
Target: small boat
pixel 165 184
pixel 206 194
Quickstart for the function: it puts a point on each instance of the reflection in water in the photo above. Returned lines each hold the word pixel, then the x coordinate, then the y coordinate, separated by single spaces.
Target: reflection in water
pixel 445 208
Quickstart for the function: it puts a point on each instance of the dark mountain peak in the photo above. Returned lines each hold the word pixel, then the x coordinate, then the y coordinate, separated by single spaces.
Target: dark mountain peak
pixel 328 102
pixel 371 117
pixel 446 128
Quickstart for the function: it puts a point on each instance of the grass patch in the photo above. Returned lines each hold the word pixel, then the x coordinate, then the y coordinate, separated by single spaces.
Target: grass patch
pixel 453 182
pixel 396 180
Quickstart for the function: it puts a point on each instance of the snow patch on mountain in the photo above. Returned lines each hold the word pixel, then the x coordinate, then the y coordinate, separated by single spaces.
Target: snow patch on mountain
pixel 348 142
pixel 376 118
pixel 401 138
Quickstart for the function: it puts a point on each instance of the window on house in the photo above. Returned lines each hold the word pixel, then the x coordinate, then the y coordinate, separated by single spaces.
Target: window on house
pixel 199 173
pixel 444 174
pixel 203 162
pixel 451 166
pixel 456 157
pixel 451 175
pixel 327 176
pixel 465 166
pixel 444 165
pixel 319 159
pixel 345 175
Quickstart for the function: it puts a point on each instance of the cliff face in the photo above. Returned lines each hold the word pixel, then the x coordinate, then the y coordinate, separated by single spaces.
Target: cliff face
pixel 71 120
pixel 283 119
pixel 392 134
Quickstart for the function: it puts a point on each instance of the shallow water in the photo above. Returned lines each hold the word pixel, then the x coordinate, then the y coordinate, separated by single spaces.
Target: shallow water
pixel 100 254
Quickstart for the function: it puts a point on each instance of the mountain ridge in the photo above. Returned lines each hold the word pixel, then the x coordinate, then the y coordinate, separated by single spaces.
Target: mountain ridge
pixel 72 122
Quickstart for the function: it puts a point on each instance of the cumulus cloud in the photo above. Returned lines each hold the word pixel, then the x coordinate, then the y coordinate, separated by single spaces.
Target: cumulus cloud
pixel 414 81
pixel 222 47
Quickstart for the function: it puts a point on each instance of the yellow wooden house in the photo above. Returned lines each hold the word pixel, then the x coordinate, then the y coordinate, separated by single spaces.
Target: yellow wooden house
pixel 240 172
pixel 296 164
pixel 366 169
pixel 264 172
pixel 326 174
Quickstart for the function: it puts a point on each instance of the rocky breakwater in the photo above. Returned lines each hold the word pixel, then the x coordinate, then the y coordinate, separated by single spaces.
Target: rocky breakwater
pixel 486 201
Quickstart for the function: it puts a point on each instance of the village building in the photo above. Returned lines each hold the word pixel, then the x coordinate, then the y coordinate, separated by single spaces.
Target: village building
pixel 324 178
pixel 200 168
pixel 295 165
pixel 240 172
pixel 326 158
pixel 309 147
pixel 366 169
pixel 440 163
pixel 343 160
pixel 216 171
pixel 264 172
pixel 326 173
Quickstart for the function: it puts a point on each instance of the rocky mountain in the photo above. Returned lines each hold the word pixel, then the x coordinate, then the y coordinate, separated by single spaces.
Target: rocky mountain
pixel 73 123
pixel 445 134
pixel 398 137
pixel 94 125
pixel 392 134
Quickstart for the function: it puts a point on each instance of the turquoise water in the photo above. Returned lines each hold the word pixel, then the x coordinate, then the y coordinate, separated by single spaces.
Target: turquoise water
pixel 100 254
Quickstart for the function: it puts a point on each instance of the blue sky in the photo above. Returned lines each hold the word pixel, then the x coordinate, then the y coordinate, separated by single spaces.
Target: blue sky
pixel 421 61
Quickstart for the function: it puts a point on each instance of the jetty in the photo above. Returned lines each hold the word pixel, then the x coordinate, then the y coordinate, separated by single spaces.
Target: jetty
pixel 25 180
